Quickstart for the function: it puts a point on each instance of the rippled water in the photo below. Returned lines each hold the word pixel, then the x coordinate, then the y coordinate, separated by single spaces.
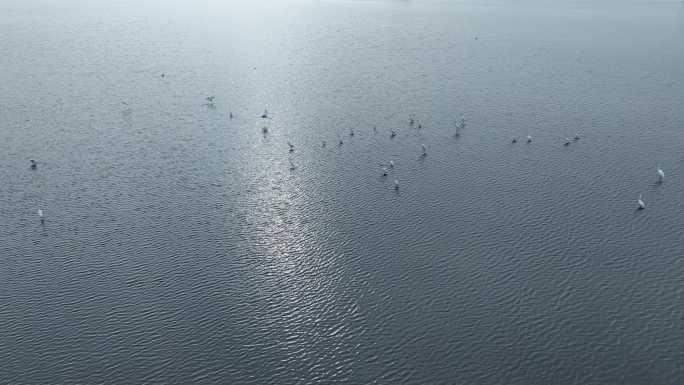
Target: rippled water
pixel 179 247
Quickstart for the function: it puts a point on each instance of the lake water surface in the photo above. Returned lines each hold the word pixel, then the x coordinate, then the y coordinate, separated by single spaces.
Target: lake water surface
pixel 179 247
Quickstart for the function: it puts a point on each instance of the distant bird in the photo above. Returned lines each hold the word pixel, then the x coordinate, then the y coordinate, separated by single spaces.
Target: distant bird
pixel 529 138
pixel 567 142
pixel 641 203
pixel 34 165
pixel 341 142
pixel 230 114
pixel 411 121
pixel 210 99
pixel 424 150
pixel 291 146
pixel 351 132
pixel 385 171
pixel 264 129
pixel 40 215
pixel 391 164
pixel 392 134
pixel 514 140
pixel 292 166
pixel 265 114
pixel 661 175
pixel 462 125
pixel 420 126
pixel 577 136
pixel 396 184
pixel 323 143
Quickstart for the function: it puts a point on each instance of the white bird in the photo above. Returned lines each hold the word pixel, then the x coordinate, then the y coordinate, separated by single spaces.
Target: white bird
pixel 396 184
pixel 529 138
pixel 40 215
pixel 577 136
pixel 641 203
pixel 391 164
pixel 424 149
pixel 567 142
pixel 384 171
pixel 661 175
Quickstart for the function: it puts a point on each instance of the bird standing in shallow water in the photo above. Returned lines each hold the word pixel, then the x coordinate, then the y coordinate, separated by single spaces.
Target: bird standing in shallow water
pixel 291 146
pixel 514 140
pixel 661 175
pixel 424 150
pixel 641 203
pixel 529 138
pixel 40 215
pixel 34 165
pixel 392 134
pixel 396 184
pixel 265 114
pixel 567 142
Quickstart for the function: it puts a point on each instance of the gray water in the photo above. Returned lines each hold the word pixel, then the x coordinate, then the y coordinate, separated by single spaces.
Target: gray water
pixel 178 246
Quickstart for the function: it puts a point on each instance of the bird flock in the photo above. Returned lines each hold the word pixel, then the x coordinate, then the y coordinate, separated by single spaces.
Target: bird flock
pixel 386 168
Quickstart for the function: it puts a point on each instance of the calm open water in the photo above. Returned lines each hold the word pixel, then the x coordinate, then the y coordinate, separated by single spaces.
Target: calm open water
pixel 178 246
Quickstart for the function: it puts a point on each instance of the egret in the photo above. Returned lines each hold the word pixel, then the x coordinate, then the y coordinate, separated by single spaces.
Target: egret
pixel 424 150
pixel 391 164
pixel 661 175
pixel 40 215
pixel 34 165
pixel 577 136
pixel 641 203
pixel 396 184
pixel 529 138
pixel 385 171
